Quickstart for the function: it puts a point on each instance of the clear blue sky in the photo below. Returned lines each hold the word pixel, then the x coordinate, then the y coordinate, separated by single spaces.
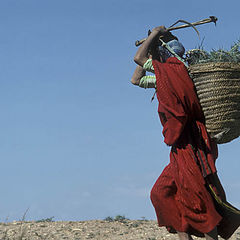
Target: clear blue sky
pixel 77 140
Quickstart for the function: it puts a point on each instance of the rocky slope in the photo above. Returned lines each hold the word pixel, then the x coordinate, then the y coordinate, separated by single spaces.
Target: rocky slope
pixel 94 229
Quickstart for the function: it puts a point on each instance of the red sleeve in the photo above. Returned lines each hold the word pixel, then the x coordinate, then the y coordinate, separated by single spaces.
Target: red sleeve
pixel 173 121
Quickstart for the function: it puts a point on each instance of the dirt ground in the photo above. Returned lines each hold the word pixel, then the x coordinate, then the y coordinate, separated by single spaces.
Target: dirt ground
pixel 94 229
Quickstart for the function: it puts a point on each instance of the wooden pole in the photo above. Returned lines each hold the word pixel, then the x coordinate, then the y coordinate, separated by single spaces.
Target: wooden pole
pixel 204 21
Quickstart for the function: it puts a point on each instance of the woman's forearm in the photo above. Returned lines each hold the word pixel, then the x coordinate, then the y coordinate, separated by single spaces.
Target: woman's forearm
pixel 142 54
pixel 137 75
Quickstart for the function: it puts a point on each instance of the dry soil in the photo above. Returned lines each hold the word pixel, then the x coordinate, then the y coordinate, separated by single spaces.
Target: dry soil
pixel 94 229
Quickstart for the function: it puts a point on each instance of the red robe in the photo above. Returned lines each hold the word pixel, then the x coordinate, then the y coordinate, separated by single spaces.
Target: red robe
pixel 180 197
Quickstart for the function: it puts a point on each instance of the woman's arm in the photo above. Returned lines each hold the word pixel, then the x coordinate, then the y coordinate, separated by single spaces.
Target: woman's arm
pixel 137 75
pixel 142 54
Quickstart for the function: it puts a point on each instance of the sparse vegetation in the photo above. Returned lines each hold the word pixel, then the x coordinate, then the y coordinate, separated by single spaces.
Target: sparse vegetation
pixel 46 220
pixel 143 219
pixel 109 219
pixel 21 230
pixel 135 224
pixel 118 218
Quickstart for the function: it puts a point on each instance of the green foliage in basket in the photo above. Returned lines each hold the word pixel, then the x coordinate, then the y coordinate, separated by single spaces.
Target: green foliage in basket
pixel 199 55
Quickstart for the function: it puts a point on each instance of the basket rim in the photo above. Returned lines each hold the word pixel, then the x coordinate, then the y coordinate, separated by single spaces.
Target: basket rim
pixel 214 67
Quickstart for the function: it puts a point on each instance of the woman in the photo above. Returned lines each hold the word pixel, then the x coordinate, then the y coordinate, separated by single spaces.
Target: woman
pixel 181 195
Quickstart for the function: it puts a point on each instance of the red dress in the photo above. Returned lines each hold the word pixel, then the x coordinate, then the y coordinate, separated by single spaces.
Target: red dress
pixel 179 196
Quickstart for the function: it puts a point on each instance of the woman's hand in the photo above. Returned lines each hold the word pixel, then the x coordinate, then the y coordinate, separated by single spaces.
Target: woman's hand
pixel 160 30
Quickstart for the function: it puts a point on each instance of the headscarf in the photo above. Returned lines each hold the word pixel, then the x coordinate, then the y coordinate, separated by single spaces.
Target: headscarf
pixel 175 45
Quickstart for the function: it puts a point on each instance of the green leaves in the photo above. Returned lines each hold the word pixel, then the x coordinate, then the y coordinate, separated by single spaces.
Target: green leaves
pixel 196 56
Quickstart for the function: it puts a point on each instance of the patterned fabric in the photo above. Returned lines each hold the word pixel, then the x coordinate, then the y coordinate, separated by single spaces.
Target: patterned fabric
pixel 148 66
pixel 148 82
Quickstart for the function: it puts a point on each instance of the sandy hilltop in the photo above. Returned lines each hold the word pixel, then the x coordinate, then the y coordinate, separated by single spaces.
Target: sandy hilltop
pixel 108 229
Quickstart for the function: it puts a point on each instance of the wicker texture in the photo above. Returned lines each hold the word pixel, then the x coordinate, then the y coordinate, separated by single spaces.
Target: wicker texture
pixel 218 89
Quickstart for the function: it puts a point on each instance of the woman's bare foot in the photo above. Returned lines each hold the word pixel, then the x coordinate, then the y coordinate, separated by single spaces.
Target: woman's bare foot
pixel 184 236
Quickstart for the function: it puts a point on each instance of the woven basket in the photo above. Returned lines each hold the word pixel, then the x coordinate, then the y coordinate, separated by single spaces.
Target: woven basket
pixel 218 89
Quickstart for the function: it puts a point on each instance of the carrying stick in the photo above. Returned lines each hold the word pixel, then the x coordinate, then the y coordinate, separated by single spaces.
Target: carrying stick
pixel 171 28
